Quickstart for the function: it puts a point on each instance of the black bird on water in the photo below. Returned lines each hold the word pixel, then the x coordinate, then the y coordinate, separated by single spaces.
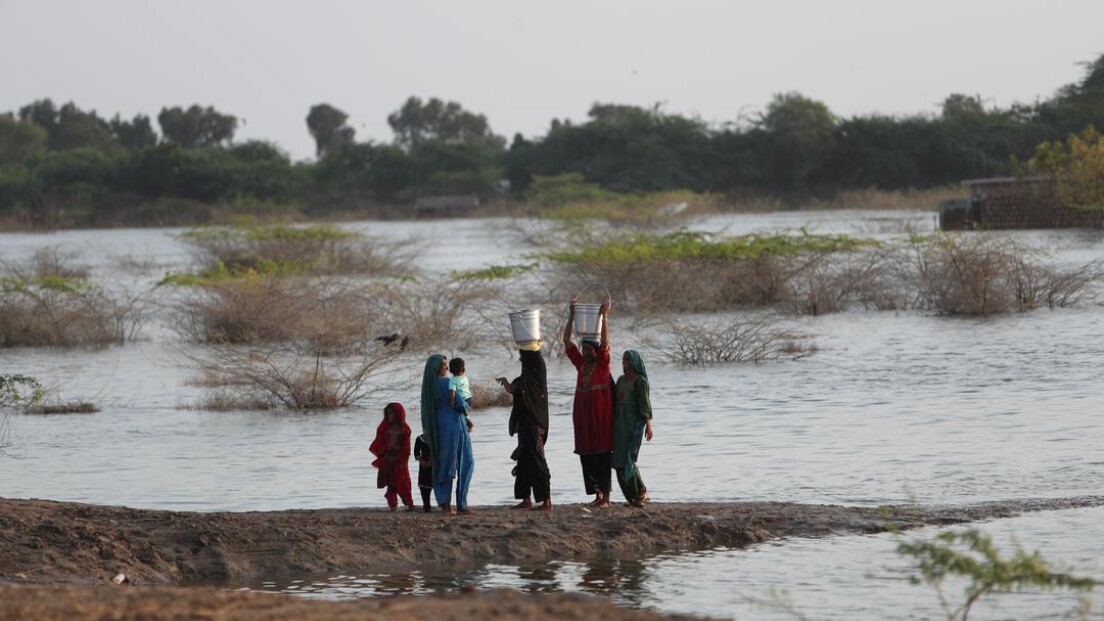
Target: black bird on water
pixel 387 339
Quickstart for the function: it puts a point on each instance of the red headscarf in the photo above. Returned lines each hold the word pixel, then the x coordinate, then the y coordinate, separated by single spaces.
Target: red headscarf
pixel 379 445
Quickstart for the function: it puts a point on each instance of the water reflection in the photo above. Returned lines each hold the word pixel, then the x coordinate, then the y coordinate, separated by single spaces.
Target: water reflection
pixel 844 577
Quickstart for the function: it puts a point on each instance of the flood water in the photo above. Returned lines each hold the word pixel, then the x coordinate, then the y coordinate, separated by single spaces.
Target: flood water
pixel 892 407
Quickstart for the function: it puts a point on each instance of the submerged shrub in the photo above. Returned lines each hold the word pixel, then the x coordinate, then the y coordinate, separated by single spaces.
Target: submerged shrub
pixel 698 272
pixel 46 303
pixel 756 339
pixel 227 253
pixel 287 377
pixel 982 275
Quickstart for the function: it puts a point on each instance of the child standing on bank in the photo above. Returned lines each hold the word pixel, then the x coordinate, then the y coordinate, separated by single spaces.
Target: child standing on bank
pixel 425 470
pixel 392 450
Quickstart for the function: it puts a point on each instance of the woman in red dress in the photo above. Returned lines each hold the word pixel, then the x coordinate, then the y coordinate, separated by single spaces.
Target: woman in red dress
pixel 592 412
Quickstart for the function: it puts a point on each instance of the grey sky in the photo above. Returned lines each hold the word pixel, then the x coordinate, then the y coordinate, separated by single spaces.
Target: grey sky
pixel 523 63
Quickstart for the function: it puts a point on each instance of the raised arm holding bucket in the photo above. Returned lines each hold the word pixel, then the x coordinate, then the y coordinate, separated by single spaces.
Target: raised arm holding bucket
pixel 592 409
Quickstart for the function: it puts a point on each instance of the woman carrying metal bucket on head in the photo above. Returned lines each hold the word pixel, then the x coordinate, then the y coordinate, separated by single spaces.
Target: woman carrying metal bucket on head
pixel 529 415
pixel 592 410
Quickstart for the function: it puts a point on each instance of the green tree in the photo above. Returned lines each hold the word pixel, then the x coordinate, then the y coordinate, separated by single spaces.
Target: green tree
pixel 69 127
pixel 327 125
pixel 19 140
pixel 798 133
pixel 196 127
pixel 136 133
pixel 1078 166
pixel 438 121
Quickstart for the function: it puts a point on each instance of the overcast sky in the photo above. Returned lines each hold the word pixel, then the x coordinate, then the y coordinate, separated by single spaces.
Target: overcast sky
pixel 522 63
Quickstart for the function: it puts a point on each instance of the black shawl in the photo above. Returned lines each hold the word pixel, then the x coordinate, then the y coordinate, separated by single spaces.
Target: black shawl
pixel 530 393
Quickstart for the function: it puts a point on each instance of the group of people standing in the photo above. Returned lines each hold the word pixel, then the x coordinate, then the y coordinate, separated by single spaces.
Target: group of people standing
pixel 610 419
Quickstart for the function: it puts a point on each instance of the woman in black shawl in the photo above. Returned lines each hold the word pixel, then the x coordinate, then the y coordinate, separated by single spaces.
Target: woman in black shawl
pixel 529 421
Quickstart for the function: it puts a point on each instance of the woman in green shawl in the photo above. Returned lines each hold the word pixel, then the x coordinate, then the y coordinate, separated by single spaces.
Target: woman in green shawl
pixel 632 422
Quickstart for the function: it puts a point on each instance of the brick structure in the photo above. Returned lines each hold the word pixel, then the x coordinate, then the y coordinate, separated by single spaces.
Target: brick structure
pixel 1019 203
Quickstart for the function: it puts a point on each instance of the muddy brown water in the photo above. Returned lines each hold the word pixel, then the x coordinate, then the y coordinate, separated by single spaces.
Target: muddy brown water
pixel 893 407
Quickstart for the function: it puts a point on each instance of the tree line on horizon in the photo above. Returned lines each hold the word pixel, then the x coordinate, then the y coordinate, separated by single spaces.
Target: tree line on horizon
pixel 66 160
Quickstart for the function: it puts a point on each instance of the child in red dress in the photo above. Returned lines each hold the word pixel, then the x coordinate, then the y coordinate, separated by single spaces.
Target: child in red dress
pixel 392 450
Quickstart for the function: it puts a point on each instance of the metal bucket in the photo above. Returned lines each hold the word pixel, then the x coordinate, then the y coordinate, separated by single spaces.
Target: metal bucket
pixel 588 322
pixel 525 325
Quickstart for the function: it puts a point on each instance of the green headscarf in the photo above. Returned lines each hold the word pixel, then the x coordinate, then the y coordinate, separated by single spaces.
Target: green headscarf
pixel 429 402
pixel 637 362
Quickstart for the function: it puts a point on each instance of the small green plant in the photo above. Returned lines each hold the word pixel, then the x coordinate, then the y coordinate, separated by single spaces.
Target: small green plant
pixel 16 391
pixel 970 555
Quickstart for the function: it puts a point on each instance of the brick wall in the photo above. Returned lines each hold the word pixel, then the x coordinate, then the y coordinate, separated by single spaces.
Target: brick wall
pixel 1022 204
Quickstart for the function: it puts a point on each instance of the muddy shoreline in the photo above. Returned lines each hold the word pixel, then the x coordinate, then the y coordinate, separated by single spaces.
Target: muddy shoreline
pixel 58 559
pixel 46 542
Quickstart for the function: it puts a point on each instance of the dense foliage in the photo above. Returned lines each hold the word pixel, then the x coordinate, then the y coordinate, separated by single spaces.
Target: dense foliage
pixel 63 165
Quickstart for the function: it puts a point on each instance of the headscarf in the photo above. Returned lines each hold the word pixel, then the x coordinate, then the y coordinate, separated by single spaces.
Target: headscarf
pixel 429 401
pixel 379 445
pixel 636 362
pixel 530 392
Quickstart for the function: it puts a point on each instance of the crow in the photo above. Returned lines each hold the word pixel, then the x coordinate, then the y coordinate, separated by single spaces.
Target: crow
pixel 388 338
pixel 405 342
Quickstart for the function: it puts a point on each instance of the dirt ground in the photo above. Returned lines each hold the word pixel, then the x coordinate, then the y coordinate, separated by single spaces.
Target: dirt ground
pixel 53 543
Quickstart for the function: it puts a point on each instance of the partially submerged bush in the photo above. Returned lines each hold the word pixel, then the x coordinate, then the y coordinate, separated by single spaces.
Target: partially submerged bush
pixel 697 272
pixel 982 275
pixel 70 407
pixel 46 304
pixel 339 316
pixel 288 377
pixel 227 253
pixel 266 309
pixel 489 396
pixel 817 274
pixel 756 339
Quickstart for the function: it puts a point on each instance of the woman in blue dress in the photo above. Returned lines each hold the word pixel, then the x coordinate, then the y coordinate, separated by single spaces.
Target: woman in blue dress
pixel 448 431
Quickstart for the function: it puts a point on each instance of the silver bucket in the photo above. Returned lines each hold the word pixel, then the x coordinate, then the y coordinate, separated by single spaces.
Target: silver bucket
pixel 525 326
pixel 588 321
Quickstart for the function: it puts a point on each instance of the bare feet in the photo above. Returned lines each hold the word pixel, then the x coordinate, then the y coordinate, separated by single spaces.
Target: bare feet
pixel 544 506
pixel 449 510
pixel 464 511
pixel 393 508
pixel 525 504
